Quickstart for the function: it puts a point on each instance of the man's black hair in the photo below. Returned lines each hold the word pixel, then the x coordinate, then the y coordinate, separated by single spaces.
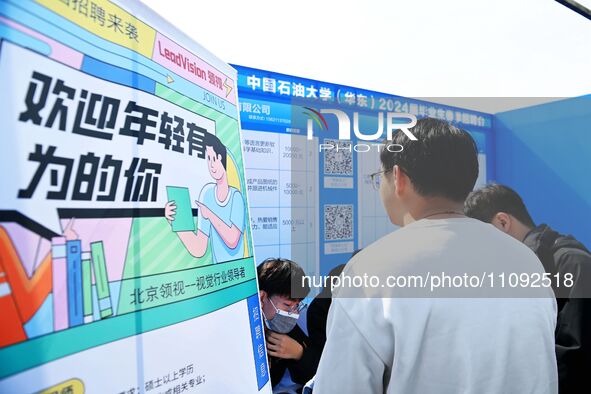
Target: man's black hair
pixel 483 204
pixel 282 277
pixel 216 144
pixel 443 162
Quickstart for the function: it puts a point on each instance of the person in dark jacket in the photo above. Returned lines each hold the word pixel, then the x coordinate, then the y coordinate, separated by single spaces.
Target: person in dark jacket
pixel 316 318
pixel 290 360
pixel 317 315
pixel 568 264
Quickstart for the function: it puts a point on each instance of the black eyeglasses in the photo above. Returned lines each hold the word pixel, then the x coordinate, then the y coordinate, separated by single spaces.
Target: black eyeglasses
pixel 376 178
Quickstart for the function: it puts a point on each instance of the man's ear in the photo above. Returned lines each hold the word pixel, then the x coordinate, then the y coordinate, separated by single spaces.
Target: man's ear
pixel 400 180
pixel 502 221
pixel 263 295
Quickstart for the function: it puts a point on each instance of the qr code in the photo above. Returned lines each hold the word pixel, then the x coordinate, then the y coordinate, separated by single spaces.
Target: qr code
pixel 338 161
pixel 338 222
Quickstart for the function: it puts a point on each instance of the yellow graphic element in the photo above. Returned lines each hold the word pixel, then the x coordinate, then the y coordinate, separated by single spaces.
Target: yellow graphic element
pixel 169 79
pixel 234 181
pixel 228 87
pixel 72 386
pixel 108 21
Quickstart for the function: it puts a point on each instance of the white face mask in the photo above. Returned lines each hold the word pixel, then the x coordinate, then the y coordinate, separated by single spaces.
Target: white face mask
pixel 283 321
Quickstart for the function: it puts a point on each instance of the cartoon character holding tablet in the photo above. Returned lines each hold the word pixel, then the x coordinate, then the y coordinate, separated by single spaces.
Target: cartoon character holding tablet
pixel 221 211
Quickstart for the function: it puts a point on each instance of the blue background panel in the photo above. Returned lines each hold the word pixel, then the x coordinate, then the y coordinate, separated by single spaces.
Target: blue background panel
pixel 544 153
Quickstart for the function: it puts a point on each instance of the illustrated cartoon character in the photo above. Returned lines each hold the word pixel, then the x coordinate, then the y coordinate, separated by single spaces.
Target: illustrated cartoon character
pixel 221 211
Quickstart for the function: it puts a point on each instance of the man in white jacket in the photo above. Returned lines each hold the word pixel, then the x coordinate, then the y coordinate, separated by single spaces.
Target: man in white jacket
pixel 452 304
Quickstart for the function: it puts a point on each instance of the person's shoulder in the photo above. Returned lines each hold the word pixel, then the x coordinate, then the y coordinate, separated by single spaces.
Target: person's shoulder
pixel 406 242
pixel 208 189
pixel 570 244
pixel 385 256
pixel 494 237
pixel 320 304
pixel 500 252
pixel 235 192
pixel 372 251
pixel 382 248
pixel 563 247
pixel 569 252
pixel 207 193
pixel 425 243
pixel 236 200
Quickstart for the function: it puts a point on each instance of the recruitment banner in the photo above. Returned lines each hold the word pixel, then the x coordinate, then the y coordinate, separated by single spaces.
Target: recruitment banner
pixel 311 196
pixel 126 257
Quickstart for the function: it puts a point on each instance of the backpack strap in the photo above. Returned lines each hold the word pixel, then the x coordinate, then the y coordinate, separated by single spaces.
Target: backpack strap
pixel 559 248
pixel 547 251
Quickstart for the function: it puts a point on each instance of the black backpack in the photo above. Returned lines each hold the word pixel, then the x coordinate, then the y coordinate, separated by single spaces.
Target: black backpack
pixel 553 246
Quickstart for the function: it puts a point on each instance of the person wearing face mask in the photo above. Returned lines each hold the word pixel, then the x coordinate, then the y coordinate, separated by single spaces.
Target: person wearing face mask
pixel 281 291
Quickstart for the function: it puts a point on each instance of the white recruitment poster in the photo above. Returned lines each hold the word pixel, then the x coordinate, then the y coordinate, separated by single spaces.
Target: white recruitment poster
pixel 126 260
